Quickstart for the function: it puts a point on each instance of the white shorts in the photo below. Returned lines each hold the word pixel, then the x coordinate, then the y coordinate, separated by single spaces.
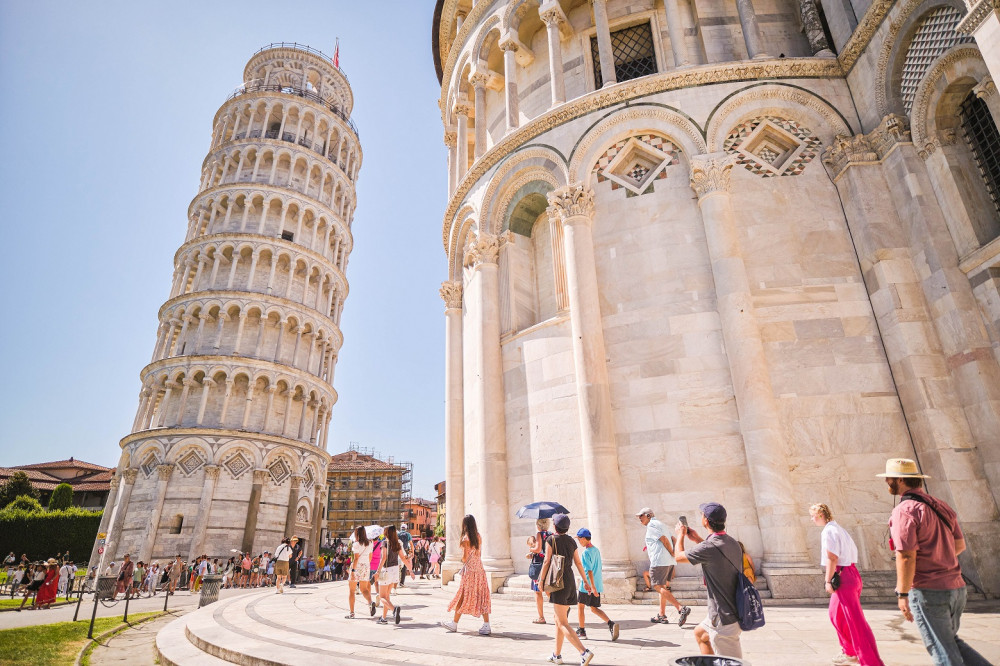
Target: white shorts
pixel 389 575
pixel 725 638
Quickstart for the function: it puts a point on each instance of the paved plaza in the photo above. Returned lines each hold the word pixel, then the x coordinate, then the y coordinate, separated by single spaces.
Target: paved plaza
pixel 307 626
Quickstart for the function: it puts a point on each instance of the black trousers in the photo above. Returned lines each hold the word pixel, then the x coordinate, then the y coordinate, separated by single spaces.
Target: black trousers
pixel 293 572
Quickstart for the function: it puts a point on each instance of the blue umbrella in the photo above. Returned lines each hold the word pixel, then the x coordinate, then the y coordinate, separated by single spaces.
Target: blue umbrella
pixel 538 510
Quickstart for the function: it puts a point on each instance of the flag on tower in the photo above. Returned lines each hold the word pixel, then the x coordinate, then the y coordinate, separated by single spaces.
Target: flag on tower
pixel 336 55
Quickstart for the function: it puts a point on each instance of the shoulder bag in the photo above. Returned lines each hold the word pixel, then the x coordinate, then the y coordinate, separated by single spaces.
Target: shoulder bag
pixel 554 575
pixel 749 608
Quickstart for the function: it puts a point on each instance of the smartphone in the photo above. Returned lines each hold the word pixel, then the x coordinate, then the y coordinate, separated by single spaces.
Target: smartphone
pixel 683 521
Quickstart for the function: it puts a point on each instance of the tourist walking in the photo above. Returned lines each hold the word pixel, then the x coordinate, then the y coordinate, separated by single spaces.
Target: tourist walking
pixel 660 550
pixel 536 552
pixel 473 596
pixel 925 534
pixel 591 560
pixel 721 559
pixel 125 575
pixel 175 574
pixel 50 585
pixel 407 540
pixel 564 546
pixel 293 561
pixel 361 551
pixel 393 556
pixel 838 556
pixel 66 573
pixel 281 556
pixel 435 559
pixel 37 578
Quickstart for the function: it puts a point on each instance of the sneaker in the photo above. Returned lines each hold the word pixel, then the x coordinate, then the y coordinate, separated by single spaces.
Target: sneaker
pixel 381 620
pixel 581 632
pixel 844 660
pixel 555 658
pixel 613 628
pixel 586 657
pixel 371 607
pixel 485 629
pixel 450 626
pixel 685 611
pixel 349 616
pixel 658 619
pixel 395 614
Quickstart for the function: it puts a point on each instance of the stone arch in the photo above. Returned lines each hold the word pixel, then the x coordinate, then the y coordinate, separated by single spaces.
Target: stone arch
pixel 786 101
pixel 462 229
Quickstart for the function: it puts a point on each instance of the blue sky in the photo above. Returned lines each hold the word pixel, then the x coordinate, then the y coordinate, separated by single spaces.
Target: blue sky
pixel 107 112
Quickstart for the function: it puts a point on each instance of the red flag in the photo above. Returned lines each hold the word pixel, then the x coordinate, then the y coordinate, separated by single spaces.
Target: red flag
pixel 336 55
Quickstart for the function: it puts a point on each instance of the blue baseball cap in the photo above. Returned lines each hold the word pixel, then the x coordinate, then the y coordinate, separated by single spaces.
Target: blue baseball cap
pixel 714 511
pixel 583 533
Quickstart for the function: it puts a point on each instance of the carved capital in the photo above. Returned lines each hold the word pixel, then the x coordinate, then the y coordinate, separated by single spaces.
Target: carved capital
pixel 893 129
pixel 130 475
pixel 508 44
pixel 478 78
pixel 260 475
pixel 116 481
pixel 945 137
pixel 485 249
pixel 710 173
pixel 164 470
pixel 297 480
pixel 848 150
pixel 985 89
pixel 451 294
pixel 463 109
pixel 212 472
pixel 572 203
pixel 450 138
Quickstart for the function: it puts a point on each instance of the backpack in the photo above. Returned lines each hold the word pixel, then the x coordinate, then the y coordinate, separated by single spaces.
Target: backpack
pixel 749 608
pixel 554 575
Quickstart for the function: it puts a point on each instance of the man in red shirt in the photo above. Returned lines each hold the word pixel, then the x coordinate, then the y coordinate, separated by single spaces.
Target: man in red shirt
pixel 924 533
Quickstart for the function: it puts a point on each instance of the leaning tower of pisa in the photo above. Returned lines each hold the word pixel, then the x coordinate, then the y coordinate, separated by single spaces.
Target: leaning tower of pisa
pixel 228 448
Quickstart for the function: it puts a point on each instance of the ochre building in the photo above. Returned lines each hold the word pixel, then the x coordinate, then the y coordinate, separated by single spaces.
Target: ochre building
pixel 733 251
pixel 228 448
pixel 365 490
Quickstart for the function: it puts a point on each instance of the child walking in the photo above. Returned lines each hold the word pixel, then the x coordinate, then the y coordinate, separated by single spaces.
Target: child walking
pixel 591 559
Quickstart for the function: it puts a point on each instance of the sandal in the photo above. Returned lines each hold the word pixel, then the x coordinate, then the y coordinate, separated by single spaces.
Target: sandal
pixel 659 619
pixel 647 588
pixel 540 620
pixel 350 616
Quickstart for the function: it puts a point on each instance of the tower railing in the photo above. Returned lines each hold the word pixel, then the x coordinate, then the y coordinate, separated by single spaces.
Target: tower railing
pixel 254 87
pixel 301 47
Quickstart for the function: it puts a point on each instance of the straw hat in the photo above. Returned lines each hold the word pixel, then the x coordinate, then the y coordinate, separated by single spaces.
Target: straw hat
pixel 52 560
pixel 902 468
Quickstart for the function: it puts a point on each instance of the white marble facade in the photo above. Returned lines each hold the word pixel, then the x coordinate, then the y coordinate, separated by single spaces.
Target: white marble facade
pixel 228 448
pixel 749 276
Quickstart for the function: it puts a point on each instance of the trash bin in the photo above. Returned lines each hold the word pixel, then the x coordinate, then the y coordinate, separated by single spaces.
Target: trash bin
pixel 708 660
pixel 210 586
pixel 106 587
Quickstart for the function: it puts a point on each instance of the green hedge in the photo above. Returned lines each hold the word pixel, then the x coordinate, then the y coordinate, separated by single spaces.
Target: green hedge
pixel 49 533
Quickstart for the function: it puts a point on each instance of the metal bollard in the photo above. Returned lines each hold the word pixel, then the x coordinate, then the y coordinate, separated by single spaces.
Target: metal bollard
pixel 210 586
pixel 105 590
pixel 128 595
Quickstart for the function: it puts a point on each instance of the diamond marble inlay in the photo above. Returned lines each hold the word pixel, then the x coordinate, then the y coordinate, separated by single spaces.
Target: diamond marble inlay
pixel 756 144
pixel 149 464
pixel 279 470
pixel 237 464
pixel 190 462
pixel 652 153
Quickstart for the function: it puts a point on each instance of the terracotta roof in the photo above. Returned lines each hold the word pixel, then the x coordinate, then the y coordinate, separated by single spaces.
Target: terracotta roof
pixel 98 479
pixel 70 463
pixel 422 502
pixel 352 460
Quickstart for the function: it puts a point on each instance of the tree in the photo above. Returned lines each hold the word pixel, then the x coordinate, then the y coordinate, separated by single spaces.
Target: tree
pixel 24 503
pixel 17 485
pixel 62 497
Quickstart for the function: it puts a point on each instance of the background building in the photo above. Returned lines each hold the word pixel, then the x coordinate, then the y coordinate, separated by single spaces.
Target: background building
pixel 740 252
pixel 364 490
pixel 441 511
pixel 228 449
pixel 91 483
pixel 420 516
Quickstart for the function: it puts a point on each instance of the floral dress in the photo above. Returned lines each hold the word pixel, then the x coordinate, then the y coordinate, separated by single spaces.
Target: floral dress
pixel 473 596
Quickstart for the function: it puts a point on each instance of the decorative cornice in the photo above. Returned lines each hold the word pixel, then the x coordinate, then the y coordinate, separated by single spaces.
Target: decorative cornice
pixel 451 294
pixel 572 203
pixel 893 129
pixel 977 16
pixel 750 70
pixel 710 173
pixel 863 34
pixel 847 151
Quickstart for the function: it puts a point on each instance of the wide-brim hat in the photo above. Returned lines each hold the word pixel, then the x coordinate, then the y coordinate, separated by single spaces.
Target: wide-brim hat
pixel 51 560
pixel 902 468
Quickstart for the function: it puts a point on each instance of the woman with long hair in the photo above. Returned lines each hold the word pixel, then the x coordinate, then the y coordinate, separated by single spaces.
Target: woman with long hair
pixel 388 571
pixel 473 596
pixel 361 550
pixel 838 555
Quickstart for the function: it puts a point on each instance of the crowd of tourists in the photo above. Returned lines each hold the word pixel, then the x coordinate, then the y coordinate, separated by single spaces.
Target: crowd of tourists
pixel 42 582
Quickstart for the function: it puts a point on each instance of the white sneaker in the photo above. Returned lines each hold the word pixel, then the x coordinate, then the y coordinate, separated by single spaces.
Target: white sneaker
pixel 449 625
pixel 555 659
pixel 844 660
pixel 485 629
pixel 586 657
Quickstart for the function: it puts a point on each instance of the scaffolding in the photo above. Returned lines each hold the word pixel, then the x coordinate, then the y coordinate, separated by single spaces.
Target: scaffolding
pixel 364 489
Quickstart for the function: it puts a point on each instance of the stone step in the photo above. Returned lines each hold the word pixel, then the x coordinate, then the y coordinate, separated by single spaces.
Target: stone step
pixel 173 648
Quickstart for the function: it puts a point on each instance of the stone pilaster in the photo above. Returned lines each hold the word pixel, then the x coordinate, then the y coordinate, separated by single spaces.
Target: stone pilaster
pixel 293 501
pixel 163 471
pixel 786 561
pixel 454 462
pixel 109 508
pixel 204 511
pixel 260 477
pixel 573 208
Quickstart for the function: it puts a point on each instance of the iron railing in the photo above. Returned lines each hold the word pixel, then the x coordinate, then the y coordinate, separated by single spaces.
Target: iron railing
pixel 301 47
pixel 253 87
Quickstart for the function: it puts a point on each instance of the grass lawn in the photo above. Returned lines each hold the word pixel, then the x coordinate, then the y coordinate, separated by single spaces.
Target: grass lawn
pixel 16 602
pixel 52 644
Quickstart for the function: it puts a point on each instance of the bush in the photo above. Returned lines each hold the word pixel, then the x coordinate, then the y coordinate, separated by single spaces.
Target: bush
pixel 62 497
pixel 24 503
pixel 17 485
pixel 45 534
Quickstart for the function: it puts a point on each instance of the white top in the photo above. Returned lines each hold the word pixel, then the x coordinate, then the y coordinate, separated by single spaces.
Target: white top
pixel 283 552
pixel 362 554
pixel 658 554
pixel 836 540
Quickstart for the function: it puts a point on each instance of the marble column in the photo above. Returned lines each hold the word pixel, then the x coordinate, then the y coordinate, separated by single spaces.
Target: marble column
pixel 604 47
pixel 486 430
pixel 204 511
pixel 462 111
pixel 449 141
pixel 313 544
pixel 676 31
pixel 253 508
pixel 454 443
pixel 573 207
pixel 109 508
pixel 813 28
pixel 509 48
pixel 114 536
pixel 293 501
pixel 552 15
pixel 163 471
pixel 778 509
pixel 478 80
pixel 751 32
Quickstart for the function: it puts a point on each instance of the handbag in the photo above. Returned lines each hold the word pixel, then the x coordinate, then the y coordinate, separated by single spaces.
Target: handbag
pixel 534 570
pixel 554 574
pixel 835 581
pixel 749 608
